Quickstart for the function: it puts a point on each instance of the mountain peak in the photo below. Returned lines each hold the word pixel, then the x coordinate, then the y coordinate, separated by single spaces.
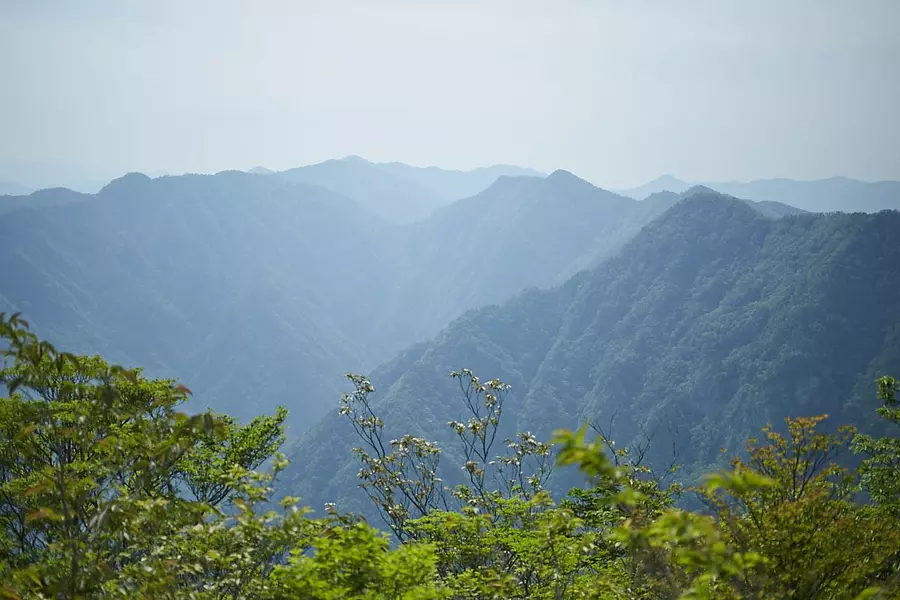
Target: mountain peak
pixel 667 179
pixel 662 183
pixel 564 178
pixel 353 158
pixel 700 189
pixel 127 180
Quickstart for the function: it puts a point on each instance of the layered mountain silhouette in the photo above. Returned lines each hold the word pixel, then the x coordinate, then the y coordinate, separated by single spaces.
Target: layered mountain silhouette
pixel 711 322
pixel 234 283
pixel 11 188
pixel 455 184
pixel 392 198
pixel 396 192
pixel 823 195
pixel 256 291
pixel 40 199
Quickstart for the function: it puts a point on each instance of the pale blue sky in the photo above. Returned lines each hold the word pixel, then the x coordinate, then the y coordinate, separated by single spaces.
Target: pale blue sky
pixel 617 92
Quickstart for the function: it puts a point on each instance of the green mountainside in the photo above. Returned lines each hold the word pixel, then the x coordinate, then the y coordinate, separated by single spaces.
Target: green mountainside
pixel 290 284
pixel 710 323
pixel 678 325
pixel 178 274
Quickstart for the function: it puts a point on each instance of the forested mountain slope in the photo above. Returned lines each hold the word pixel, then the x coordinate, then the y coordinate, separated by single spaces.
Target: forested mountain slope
pixel 228 282
pixel 255 291
pixel 521 232
pixel 710 323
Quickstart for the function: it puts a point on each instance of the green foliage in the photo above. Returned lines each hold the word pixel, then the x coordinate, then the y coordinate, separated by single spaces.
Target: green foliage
pixel 353 562
pixel 880 469
pixel 777 524
pixel 710 323
pixel 107 490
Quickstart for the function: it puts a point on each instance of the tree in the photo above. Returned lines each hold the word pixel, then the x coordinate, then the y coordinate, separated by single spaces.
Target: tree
pixel 107 490
pixel 498 532
pixel 880 471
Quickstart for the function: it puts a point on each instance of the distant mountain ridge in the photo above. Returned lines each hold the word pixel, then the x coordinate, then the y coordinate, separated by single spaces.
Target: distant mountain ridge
pixel 456 184
pixel 397 192
pixel 822 195
pixel 41 199
pixel 256 291
pixel 11 188
pixel 173 272
pixel 394 199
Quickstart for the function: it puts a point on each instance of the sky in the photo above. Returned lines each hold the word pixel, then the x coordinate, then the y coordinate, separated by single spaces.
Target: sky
pixel 616 92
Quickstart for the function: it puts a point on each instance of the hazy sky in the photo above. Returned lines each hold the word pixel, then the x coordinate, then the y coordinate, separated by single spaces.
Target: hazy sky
pixel 617 92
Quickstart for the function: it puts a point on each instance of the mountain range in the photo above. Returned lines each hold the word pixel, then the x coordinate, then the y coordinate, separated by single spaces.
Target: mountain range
pixel 822 195
pixel 11 188
pixel 711 322
pixel 692 314
pixel 257 291
pixel 396 192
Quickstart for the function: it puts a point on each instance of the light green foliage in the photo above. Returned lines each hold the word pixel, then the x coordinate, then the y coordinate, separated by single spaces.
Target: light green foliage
pixel 781 524
pixel 881 468
pixel 107 490
pixel 353 562
pixel 778 524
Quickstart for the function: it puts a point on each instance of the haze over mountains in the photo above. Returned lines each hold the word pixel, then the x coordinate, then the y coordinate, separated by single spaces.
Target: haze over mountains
pixel 396 192
pixel 11 188
pixel 263 288
pixel 401 193
pixel 823 195
pixel 713 321
pixel 285 284
pixel 394 300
